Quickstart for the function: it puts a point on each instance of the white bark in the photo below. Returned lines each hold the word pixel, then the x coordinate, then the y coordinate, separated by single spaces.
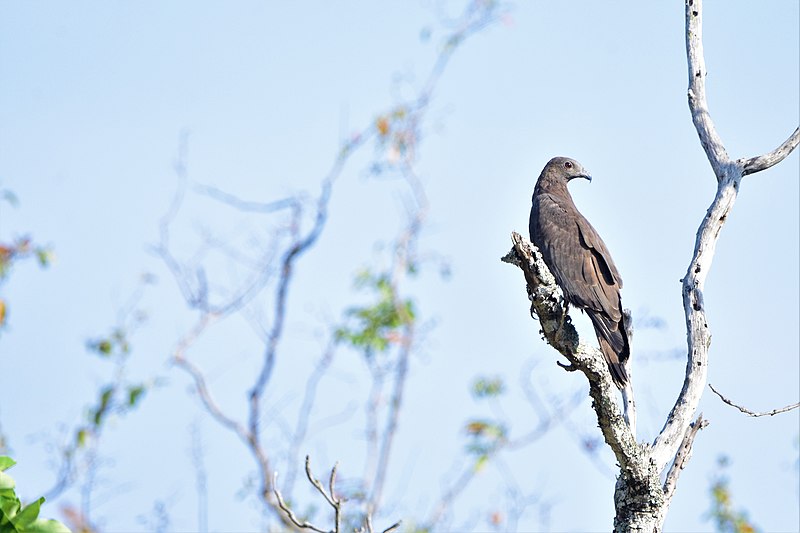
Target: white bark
pixel 729 175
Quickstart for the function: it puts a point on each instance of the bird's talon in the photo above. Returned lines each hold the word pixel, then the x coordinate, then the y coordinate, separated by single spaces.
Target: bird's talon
pixel 569 368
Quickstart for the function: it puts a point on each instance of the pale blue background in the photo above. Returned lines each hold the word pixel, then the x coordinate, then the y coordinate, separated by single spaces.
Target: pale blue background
pixel 94 95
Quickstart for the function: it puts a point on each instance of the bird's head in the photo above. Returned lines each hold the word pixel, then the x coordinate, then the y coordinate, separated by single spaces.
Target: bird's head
pixel 565 169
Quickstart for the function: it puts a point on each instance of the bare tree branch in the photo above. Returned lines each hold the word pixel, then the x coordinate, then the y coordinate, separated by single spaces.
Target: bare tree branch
pixel 682 457
pixel 547 419
pixel 180 360
pixel 398 129
pixel 763 162
pixel 330 497
pixel 393 527
pixel 729 175
pixel 402 260
pixel 304 415
pixel 367 528
pixel 289 513
pixel 201 478
pixel 245 206
pixel 698 104
pixel 753 413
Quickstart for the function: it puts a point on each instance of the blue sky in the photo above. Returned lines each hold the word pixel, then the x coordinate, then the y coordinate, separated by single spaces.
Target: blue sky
pixel 94 98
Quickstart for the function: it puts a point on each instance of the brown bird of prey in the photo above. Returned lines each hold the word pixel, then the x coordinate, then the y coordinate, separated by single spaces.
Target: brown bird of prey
pixel 580 261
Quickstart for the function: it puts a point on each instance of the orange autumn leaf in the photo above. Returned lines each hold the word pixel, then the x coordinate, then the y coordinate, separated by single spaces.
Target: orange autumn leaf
pixel 383 126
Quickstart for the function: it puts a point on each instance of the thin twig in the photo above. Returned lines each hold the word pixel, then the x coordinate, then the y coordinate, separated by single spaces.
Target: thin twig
pixel 201 478
pixel 245 206
pixel 393 527
pixel 304 415
pixel 331 498
pixel 180 360
pixel 393 417
pixel 403 258
pixel 747 411
pixel 289 513
pixel 547 420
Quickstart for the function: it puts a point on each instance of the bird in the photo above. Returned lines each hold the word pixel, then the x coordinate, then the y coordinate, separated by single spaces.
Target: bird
pixel 580 261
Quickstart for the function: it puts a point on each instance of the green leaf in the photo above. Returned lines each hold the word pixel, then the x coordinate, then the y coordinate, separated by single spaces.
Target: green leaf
pixel 104 347
pixel 44 256
pixel 80 437
pixel 134 393
pixel 105 398
pixel 28 514
pixel 17 519
pixel 101 346
pixel 47 526
pixel 409 311
pixel 488 387
pixel 105 402
pixel 6 494
pixel 9 506
pixel 363 278
pixel 6 462
pixel 6 481
pixel 481 462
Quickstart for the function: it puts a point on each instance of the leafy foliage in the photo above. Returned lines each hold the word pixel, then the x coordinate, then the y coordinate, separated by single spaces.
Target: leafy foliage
pixel 118 396
pixel 488 387
pixel 375 327
pixel 16 518
pixel 485 434
pixel 18 249
pixel 12 252
pixel 398 136
pixel 115 343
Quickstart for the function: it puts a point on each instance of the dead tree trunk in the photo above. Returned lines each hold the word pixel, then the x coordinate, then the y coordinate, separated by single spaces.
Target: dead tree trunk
pixel 640 499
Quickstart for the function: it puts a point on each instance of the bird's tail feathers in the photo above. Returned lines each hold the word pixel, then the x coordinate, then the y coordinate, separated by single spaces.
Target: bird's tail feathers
pixel 618 372
pixel 614 343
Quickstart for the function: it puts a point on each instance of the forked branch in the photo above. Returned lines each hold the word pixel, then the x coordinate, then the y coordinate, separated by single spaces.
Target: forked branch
pixel 729 175
pixel 330 496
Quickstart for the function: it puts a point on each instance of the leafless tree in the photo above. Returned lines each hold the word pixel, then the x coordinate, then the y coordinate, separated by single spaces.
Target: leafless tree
pixel 260 292
pixel 641 498
pixel 269 281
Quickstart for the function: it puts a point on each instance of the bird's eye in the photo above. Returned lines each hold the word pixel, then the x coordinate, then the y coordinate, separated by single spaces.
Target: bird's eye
pixel 568 164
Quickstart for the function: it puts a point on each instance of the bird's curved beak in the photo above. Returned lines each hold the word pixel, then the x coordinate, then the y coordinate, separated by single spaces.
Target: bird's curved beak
pixel 585 175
